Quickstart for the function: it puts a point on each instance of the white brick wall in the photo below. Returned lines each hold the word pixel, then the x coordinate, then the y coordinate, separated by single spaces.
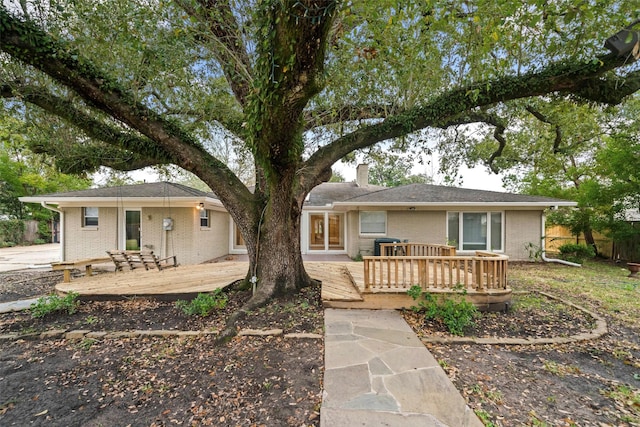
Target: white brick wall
pixel 190 243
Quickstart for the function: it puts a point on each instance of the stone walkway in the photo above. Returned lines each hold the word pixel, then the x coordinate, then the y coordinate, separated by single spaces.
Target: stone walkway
pixel 7 307
pixel 378 373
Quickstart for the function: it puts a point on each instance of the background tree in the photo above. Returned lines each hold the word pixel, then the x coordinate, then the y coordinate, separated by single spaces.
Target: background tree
pixel 392 170
pixel 572 151
pixel 24 173
pixel 296 85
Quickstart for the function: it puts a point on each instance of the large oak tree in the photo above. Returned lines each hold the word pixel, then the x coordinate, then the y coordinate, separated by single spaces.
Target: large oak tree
pixel 296 85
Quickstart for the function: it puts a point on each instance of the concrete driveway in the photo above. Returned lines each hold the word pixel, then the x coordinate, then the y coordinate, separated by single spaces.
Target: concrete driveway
pixel 36 256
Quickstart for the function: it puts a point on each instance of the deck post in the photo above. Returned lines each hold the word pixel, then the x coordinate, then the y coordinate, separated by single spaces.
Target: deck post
pixel 367 286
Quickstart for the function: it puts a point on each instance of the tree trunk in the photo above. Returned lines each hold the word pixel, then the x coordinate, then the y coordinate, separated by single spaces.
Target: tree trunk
pixel 275 258
pixel 589 240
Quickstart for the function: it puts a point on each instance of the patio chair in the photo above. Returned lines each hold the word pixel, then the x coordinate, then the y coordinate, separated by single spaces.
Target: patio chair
pixel 151 260
pixel 122 259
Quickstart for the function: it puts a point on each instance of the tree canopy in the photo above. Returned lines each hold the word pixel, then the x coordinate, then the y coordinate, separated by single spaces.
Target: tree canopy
pixel 578 152
pixel 24 173
pixel 294 86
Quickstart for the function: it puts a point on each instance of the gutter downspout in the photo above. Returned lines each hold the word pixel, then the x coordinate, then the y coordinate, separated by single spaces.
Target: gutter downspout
pixel 62 237
pixel 544 250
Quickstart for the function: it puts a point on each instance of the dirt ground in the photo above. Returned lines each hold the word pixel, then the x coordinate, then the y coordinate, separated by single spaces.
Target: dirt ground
pixel 250 381
pixel 275 381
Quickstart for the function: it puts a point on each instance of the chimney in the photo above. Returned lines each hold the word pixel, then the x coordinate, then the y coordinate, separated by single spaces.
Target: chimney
pixel 362 175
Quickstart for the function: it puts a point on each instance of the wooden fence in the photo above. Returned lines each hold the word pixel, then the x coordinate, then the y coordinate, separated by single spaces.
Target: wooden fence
pixel 558 235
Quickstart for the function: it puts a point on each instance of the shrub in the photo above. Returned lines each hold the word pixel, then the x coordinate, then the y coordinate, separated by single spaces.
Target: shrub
pixel 204 304
pixel 54 303
pixel 44 232
pixel 576 252
pixel 454 311
pixel 11 231
pixel 535 251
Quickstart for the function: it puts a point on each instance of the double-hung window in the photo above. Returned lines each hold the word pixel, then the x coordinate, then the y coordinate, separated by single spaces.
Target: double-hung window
pixel 204 218
pixel 89 217
pixel 373 222
pixel 475 231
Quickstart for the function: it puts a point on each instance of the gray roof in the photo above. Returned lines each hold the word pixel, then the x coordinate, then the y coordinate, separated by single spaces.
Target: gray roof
pixel 330 192
pixel 151 190
pixel 437 194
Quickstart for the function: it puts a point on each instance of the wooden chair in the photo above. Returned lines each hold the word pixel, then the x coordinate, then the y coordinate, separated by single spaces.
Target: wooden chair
pixel 123 259
pixel 140 259
pixel 120 259
pixel 150 260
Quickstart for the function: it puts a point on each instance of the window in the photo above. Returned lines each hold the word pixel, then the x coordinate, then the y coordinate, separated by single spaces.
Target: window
pixel 204 218
pixel 89 217
pixel 374 222
pixel 473 231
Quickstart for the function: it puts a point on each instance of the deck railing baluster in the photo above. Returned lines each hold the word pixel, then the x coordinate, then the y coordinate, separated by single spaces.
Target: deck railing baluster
pixel 444 270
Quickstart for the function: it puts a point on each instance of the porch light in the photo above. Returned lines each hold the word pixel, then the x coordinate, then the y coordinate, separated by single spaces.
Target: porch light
pixel 626 41
pixel 200 206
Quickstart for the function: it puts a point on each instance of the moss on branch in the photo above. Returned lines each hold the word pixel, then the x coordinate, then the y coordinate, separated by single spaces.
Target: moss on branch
pixel 585 79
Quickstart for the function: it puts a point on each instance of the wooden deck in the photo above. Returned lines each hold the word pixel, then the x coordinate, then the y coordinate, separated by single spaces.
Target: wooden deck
pixel 170 283
pixel 183 281
pixel 343 284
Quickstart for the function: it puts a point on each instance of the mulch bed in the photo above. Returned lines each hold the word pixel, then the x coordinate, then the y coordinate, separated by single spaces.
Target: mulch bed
pixel 254 381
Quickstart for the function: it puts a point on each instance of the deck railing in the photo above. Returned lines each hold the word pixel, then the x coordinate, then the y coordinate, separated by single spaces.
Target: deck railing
pixel 416 249
pixel 482 272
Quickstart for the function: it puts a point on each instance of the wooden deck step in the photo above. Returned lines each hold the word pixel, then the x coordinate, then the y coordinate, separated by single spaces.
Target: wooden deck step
pixel 337 282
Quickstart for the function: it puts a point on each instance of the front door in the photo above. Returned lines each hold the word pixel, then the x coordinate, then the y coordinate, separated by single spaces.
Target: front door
pixel 132 230
pixel 326 232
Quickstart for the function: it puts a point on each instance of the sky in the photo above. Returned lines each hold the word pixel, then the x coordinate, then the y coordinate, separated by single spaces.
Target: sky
pixel 477 178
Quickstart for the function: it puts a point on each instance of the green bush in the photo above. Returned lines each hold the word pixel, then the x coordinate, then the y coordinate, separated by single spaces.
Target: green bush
pixel 43 232
pixel 204 304
pixel 577 253
pixel 454 311
pixel 55 303
pixel 11 231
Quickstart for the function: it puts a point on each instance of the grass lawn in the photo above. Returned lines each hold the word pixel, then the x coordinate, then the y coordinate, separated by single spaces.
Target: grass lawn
pixel 597 285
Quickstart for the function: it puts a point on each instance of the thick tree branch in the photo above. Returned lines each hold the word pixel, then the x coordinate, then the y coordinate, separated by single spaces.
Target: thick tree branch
pixel 558 130
pixel 346 113
pixel 231 52
pixel 79 158
pixel 583 79
pixel 612 90
pixel 138 149
pixel 498 132
pixel 29 44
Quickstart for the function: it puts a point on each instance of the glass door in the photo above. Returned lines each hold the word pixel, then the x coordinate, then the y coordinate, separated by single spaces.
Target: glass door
pixel 326 232
pixel 336 236
pixel 316 232
pixel 132 230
